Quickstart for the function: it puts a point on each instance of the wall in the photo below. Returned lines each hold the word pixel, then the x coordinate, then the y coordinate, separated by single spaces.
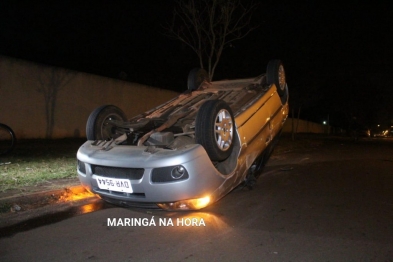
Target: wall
pixel 303 126
pixel 22 107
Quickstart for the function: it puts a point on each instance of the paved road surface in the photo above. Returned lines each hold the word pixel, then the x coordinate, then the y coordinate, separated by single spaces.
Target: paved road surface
pixel 326 203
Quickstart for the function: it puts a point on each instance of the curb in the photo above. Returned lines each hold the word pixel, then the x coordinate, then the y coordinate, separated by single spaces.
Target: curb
pixel 30 219
pixel 23 207
pixel 77 189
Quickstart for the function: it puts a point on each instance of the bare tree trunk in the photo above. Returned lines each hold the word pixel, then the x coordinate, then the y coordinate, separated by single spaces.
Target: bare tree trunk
pixel 298 120
pixel 52 107
pixel 51 81
pixel 47 114
pixel 293 125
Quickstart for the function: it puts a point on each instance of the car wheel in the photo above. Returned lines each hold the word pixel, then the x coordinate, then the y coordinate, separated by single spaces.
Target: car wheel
pixel 214 129
pixel 255 171
pixel 259 163
pixel 284 98
pixel 196 77
pixel 98 125
pixel 275 74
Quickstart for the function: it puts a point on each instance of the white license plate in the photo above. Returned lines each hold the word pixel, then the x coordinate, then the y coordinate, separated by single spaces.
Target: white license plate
pixel 113 184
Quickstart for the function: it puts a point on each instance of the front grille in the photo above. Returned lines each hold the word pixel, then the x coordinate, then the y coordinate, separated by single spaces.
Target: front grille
pixel 139 205
pixel 116 193
pixel 118 172
pixel 130 203
pixel 81 167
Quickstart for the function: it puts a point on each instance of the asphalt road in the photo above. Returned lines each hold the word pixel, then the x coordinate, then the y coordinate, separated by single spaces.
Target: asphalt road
pixel 331 202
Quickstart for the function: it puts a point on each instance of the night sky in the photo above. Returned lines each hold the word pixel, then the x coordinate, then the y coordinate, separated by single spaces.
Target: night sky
pixel 338 57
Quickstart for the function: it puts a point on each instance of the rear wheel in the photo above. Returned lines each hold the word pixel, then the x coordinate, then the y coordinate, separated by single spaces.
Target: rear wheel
pixel 214 129
pixel 275 74
pixel 100 125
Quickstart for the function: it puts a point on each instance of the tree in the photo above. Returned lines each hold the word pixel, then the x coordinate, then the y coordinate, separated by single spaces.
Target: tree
pixel 51 80
pixel 208 26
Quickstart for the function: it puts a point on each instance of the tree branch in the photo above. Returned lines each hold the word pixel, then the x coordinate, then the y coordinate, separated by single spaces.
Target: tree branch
pixel 208 26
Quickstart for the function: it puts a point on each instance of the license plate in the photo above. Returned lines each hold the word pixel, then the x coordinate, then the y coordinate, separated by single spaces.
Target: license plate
pixel 113 184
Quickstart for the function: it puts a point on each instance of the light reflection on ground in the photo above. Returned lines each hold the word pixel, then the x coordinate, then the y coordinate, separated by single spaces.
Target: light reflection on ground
pixel 71 196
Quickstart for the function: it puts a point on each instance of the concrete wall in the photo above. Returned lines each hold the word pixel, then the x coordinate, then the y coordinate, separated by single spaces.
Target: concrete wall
pixel 303 126
pixel 22 106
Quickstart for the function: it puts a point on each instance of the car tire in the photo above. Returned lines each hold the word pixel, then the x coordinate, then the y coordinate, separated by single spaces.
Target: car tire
pixel 275 74
pixel 259 163
pixel 97 127
pixel 215 129
pixel 255 171
pixel 196 77
pixel 284 98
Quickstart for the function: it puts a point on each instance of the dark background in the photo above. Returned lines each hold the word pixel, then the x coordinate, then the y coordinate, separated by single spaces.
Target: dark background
pixel 338 57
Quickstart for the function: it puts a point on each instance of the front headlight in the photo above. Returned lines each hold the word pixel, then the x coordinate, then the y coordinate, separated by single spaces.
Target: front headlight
pixel 178 172
pixel 169 174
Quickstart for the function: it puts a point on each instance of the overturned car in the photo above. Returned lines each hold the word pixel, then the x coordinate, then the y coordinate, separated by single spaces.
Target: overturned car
pixel 190 151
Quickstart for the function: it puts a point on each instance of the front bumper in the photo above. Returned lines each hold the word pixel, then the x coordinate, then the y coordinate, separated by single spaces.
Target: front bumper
pixel 148 172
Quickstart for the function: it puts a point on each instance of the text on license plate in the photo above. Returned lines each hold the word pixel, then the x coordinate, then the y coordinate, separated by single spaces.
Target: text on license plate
pixel 113 184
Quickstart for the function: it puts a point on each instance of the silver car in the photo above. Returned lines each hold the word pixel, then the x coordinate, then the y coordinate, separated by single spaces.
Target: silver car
pixel 191 151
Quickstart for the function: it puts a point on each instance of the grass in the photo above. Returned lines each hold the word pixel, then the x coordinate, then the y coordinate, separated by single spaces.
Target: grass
pixel 35 162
